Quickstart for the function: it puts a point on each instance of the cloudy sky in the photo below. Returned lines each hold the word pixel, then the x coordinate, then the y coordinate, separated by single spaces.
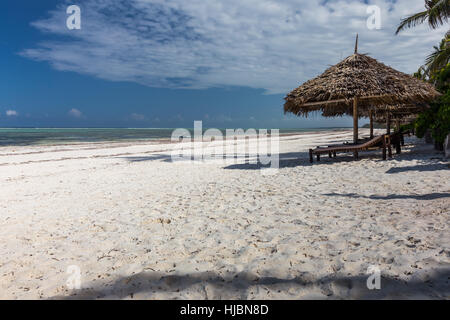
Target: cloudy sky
pixel 165 63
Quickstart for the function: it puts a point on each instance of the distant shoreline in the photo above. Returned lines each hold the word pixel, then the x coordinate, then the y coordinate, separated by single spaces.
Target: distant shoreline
pixel 130 128
pixel 10 137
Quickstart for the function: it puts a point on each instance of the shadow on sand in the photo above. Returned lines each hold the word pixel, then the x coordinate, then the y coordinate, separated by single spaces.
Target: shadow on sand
pixel 432 285
pixel 430 196
pixel 156 157
pixel 432 166
pixel 168 158
pixel 301 159
pixel 296 159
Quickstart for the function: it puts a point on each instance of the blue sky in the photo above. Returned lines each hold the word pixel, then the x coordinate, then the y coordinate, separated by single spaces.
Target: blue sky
pixel 155 63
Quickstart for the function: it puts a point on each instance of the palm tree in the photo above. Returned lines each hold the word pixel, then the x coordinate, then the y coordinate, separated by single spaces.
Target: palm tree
pixel 421 73
pixel 440 57
pixel 437 13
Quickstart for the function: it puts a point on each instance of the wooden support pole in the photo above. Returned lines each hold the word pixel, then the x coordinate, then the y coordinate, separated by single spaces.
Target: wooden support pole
pixel 388 124
pixel 355 120
pixel 397 125
pixel 400 142
pixel 389 146
pixel 398 148
pixel 371 123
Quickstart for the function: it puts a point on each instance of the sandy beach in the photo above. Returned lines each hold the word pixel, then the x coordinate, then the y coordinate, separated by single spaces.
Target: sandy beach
pixel 139 226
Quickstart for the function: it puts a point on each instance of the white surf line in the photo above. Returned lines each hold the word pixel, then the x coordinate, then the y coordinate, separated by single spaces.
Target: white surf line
pixel 318 138
pixel 120 144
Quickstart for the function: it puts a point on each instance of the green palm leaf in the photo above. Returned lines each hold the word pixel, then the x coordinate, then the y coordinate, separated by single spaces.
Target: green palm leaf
pixel 412 21
pixel 436 13
pixel 439 58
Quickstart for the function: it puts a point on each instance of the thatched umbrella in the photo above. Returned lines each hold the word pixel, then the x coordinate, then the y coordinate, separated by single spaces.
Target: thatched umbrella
pixel 398 114
pixel 361 81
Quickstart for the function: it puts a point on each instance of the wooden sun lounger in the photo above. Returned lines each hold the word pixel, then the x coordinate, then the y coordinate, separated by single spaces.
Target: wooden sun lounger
pixel 381 142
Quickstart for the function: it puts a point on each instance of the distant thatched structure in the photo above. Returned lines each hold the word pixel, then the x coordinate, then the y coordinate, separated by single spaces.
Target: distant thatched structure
pixel 384 114
pixel 380 111
pixel 357 84
pixel 400 114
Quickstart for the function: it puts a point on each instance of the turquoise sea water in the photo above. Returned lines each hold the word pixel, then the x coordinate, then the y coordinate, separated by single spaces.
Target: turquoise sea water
pixel 47 136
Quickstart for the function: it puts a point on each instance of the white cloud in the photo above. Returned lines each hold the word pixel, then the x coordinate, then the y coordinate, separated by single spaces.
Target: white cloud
pixel 223 118
pixel 269 44
pixel 138 117
pixel 75 113
pixel 217 118
pixel 12 113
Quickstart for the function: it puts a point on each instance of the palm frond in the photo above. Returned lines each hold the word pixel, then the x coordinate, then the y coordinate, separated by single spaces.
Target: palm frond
pixel 439 58
pixel 412 21
pixel 438 13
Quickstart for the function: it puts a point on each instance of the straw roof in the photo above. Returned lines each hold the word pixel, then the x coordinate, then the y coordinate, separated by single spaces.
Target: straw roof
pixel 357 76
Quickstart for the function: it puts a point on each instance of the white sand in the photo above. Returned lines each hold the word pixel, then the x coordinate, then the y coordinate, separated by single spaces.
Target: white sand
pixel 139 226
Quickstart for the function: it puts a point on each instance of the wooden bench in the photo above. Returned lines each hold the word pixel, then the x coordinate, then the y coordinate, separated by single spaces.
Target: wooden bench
pixel 381 142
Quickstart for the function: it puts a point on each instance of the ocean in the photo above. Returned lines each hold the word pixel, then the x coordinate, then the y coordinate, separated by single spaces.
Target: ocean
pixel 60 136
